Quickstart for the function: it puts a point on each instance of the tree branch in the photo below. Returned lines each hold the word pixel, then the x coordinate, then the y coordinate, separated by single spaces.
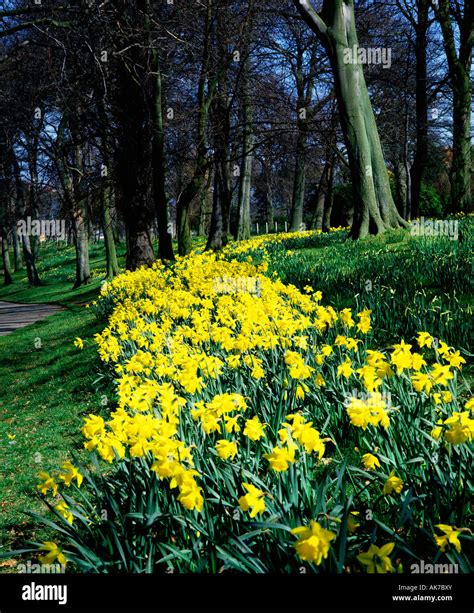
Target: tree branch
pixel 31 24
pixel 311 17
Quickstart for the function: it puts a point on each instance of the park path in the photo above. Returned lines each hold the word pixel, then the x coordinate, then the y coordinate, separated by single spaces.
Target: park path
pixel 14 316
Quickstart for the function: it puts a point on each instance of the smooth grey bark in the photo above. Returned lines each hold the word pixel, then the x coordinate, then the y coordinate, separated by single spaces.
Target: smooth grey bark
pixel 297 205
pixel 245 185
pixel 335 26
pixel 269 215
pixel 10 221
pixel 244 223
pixel 217 231
pixel 83 275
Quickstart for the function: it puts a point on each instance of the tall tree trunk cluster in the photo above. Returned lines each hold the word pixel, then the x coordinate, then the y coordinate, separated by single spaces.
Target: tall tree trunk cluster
pixel 459 63
pixel 375 210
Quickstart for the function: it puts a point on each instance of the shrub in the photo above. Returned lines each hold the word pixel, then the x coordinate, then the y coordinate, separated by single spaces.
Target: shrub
pixel 431 204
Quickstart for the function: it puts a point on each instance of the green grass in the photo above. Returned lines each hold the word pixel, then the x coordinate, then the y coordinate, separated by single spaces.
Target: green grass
pixel 45 391
pixel 56 268
pixel 410 284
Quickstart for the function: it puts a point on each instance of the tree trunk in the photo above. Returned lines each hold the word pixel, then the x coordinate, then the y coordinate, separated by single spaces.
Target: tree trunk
pixel 401 185
pixel 244 230
pixel 459 56
pixel 205 208
pixel 7 270
pixel 375 210
pixel 30 260
pixel 13 204
pixel 407 208
pixel 461 197
pixel 245 185
pixel 329 199
pixel 165 243
pixel 79 205
pixel 320 196
pixel 18 262
pixel 185 240
pixel 421 151
pixel 28 253
pixel 221 205
pixel 134 172
pixel 33 190
pixel 206 90
pixel 107 199
pixel 81 240
pixel 220 117
pixel 109 239
pixel 297 207
pixel 304 88
pixel 269 217
pixel 217 231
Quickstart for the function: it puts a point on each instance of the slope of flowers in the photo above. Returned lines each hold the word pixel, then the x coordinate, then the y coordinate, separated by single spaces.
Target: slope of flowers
pixel 255 431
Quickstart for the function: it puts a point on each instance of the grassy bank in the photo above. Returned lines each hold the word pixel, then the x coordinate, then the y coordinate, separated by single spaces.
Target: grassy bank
pixel 47 385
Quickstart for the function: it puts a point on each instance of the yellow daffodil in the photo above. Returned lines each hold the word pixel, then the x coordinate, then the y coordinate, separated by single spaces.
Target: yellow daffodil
pixel 280 458
pixel 345 369
pixel 54 554
pixel 71 473
pixel 352 523
pixel 313 542
pixel 79 343
pixel 254 429
pixel 227 450
pixel 370 461
pixel 48 483
pixel 377 559
pixel 424 339
pixel 253 500
pixel 450 537
pixel 63 509
pixel 392 484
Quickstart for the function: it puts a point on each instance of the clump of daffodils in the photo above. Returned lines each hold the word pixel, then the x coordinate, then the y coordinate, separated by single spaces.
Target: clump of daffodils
pixel 226 394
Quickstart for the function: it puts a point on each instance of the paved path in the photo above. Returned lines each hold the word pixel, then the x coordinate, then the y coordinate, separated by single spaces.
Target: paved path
pixel 14 316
